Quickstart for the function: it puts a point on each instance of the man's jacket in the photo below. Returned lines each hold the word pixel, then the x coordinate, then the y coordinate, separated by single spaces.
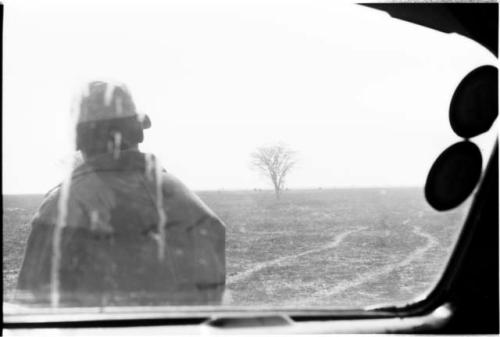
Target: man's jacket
pixel 130 234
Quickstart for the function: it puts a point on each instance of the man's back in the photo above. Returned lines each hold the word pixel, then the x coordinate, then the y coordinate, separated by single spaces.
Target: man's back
pixel 133 235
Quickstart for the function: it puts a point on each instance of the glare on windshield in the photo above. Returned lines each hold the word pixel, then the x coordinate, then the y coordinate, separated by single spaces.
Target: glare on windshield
pixel 236 154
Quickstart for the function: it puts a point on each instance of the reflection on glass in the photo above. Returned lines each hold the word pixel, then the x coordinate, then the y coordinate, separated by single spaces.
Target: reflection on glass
pixel 359 103
pixel 115 233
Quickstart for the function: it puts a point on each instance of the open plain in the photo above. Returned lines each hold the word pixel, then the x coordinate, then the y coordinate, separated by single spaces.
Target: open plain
pixel 322 247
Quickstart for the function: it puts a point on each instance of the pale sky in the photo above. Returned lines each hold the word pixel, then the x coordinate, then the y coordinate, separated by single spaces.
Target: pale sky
pixel 361 97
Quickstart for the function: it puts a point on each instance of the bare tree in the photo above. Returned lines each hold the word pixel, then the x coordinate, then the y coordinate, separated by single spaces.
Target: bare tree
pixel 275 162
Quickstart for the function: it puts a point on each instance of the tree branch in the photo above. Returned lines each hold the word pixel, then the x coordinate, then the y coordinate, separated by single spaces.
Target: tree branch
pixel 275 162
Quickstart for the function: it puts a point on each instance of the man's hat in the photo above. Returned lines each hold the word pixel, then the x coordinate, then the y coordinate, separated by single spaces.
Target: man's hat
pixel 104 101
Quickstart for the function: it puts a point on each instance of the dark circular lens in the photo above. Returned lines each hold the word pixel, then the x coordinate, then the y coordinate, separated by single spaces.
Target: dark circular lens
pixel 474 105
pixel 453 176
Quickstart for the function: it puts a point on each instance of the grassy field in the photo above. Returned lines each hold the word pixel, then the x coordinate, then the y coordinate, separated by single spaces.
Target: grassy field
pixel 342 247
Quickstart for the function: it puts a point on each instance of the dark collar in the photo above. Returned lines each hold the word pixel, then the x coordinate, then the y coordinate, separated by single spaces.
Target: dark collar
pixel 128 160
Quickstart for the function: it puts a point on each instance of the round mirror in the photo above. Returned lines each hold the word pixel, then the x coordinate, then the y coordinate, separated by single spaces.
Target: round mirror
pixel 474 105
pixel 453 176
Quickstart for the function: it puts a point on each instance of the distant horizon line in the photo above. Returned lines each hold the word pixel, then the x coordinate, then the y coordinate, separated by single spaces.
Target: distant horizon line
pixel 263 189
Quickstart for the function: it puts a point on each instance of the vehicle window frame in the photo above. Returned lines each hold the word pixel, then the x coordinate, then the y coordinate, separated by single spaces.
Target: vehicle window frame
pixel 422 308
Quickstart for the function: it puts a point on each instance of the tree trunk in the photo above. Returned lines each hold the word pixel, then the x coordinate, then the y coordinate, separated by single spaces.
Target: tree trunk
pixel 277 191
pixel 276 184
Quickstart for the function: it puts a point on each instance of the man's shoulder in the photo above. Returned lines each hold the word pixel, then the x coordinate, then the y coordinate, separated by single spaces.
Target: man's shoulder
pixel 176 192
pixel 172 184
pixel 47 212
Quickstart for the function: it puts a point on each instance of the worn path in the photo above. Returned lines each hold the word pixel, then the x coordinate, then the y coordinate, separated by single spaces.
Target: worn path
pixel 418 253
pixel 285 259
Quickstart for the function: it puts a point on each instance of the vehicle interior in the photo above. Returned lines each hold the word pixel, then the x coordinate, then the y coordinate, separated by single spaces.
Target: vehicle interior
pixel 465 299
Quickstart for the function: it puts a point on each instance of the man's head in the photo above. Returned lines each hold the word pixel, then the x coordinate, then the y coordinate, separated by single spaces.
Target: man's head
pixel 108 119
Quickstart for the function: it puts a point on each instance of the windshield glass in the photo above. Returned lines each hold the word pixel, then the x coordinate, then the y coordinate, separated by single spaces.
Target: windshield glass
pixel 225 153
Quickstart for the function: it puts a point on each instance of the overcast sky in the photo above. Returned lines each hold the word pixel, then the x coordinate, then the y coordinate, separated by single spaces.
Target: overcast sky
pixel 361 97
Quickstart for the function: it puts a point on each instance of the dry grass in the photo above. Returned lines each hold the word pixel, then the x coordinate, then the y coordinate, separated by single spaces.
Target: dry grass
pixel 346 247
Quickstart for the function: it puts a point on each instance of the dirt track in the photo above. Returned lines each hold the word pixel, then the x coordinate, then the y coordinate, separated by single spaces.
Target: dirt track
pixel 359 280
pixel 239 277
